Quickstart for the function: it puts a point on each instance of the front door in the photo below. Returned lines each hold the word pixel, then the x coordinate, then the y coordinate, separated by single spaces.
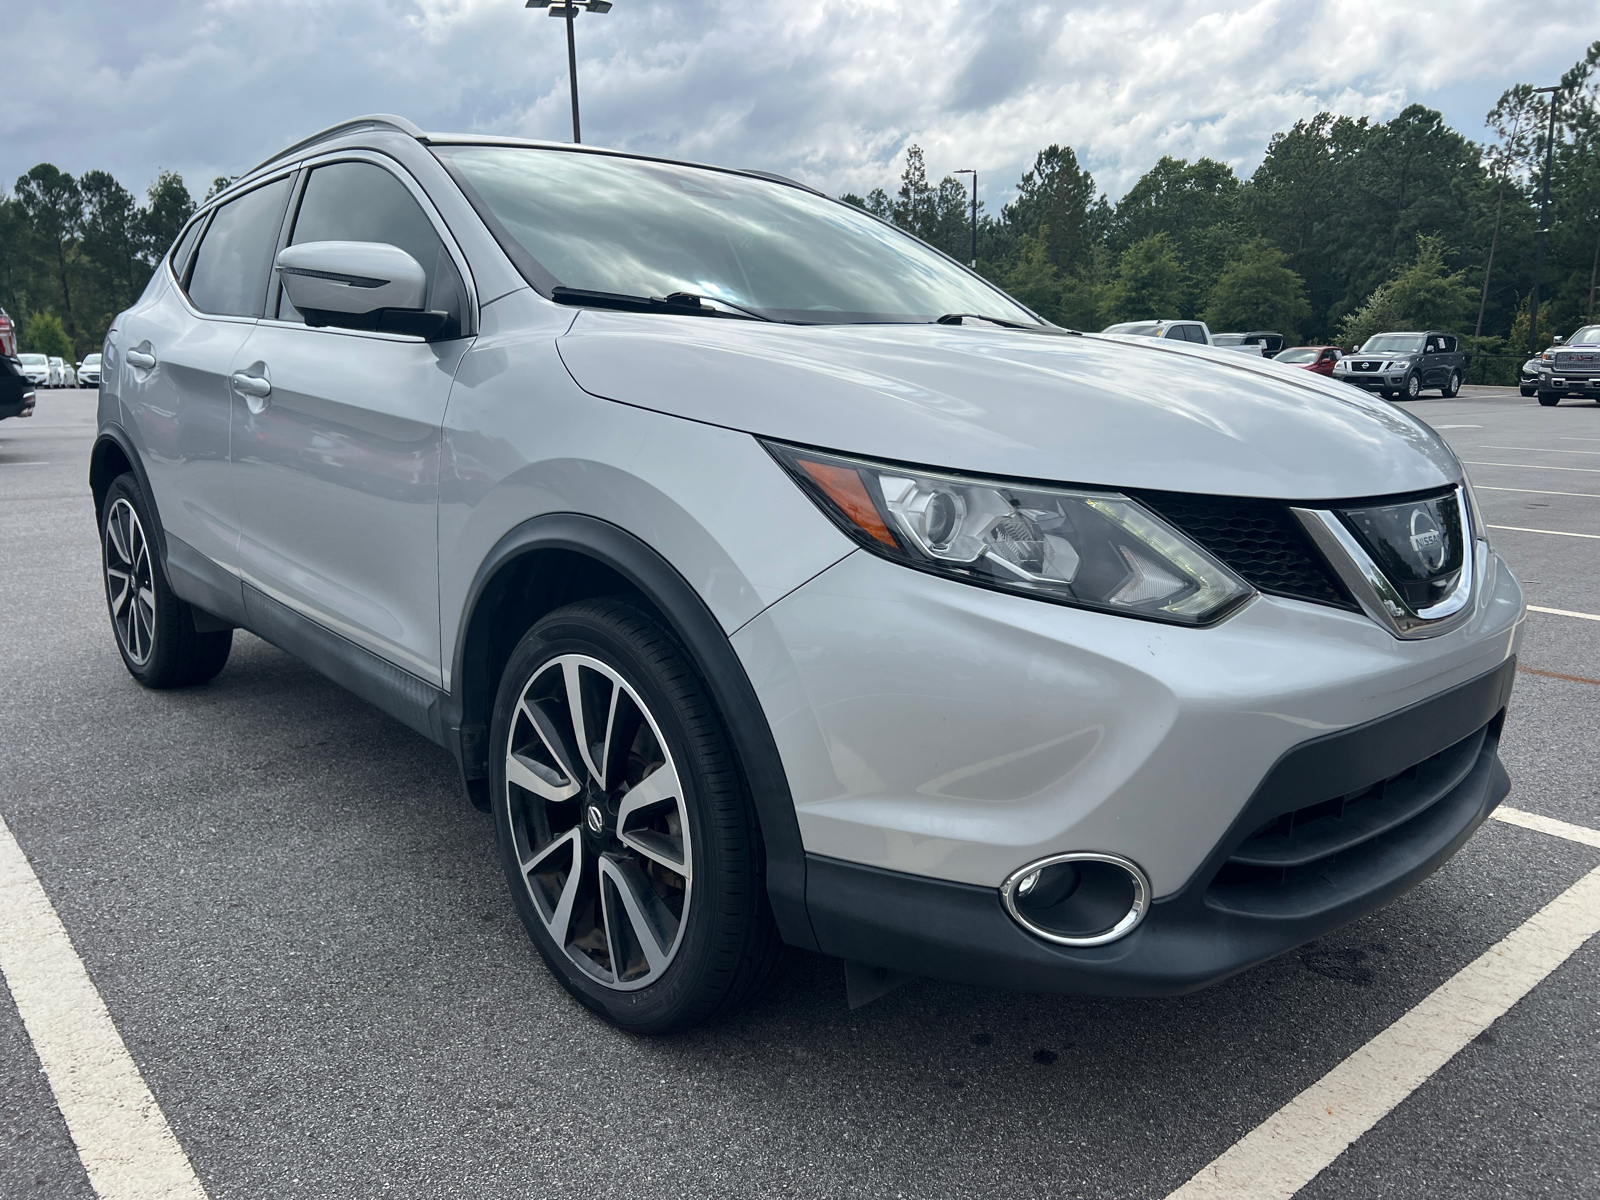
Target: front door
pixel 336 437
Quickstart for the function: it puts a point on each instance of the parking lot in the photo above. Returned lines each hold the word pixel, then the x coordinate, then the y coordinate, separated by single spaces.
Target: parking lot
pixel 301 933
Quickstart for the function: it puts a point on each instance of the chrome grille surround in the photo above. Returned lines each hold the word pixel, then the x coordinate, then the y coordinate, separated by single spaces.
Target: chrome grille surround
pixel 1379 598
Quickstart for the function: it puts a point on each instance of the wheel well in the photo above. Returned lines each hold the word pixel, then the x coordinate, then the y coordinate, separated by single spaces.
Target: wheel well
pixel 106 463
pixel 520 592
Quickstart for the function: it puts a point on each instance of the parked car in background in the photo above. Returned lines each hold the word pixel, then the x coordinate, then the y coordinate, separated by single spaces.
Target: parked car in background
pixel 1260 342
pixel 16 389
pixel 37 368
pixel 8 336
pixel 59 376
pixel 1528 376
pixel 89 372
pixel 1319 359
pixel 1571 368
pixel 1401 365
pixel 1178 331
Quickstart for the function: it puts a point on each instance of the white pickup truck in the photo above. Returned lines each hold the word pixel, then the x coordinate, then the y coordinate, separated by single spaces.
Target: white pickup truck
pixel 1178 331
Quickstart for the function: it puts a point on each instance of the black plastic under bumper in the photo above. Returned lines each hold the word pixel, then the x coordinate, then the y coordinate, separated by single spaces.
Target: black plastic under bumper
pixel 1233 913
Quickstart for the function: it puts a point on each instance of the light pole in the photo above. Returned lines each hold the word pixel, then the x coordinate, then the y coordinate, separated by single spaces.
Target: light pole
pixel 1544 205
pixel 569 10
pixel 974 174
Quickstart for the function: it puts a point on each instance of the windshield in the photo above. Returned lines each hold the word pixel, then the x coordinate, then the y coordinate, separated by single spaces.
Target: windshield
pixel 1300 354
pixel 33 360
pixel 92 361
pixel 1393 343
pixel 1589 335
pixel 1227 339
pixel 612 224
pixel 1136 328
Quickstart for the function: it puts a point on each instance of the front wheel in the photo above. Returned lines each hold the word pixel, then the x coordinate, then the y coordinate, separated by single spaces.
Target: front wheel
pixel 155 630
pixel 623 824
pixel 1452 389
pixel 1413 387
pixel 1549 399
pixel 1526 390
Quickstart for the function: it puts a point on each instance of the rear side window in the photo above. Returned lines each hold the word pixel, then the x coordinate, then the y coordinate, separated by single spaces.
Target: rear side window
pixel 362 202
pixel 180 252
pixel 1195 334
pixel 234 260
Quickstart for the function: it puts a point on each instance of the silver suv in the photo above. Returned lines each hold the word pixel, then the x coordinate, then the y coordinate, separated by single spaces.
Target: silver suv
pixel 774 579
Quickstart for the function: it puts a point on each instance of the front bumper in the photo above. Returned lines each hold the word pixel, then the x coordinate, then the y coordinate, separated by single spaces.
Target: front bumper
pixel 1374 382
pixel 1582 383
pixel 17 405
pixel 1429 774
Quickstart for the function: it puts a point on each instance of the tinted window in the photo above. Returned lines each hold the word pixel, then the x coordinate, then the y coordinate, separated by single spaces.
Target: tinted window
pixel 613 224
pixel 1195 334
pixel 180 252
pixel 235 256
pixel 1177 334
pixel 1449 344
pixel 1393 343
pixel 361 202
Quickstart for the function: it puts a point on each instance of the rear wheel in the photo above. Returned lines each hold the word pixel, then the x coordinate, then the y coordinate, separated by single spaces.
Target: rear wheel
pixel 1549 399
pixel 1452 388
pixel 624 828
pixel 155 630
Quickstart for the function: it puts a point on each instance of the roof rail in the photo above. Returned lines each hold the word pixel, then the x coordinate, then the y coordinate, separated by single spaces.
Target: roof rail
pixel 399 124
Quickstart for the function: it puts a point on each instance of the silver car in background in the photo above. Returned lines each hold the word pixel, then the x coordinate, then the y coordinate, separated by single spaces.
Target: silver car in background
pixel 774 579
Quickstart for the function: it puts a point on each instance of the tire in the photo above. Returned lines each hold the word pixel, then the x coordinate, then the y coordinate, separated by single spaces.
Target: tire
pixel 1452 389
pixel 1387 393
pixel 1549 399
pixel 1413 387
pixel 694 935
pixel 1526 390
pixel 154 629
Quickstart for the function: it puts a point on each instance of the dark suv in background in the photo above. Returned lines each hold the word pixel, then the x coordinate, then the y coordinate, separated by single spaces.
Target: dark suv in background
pixel 1400 365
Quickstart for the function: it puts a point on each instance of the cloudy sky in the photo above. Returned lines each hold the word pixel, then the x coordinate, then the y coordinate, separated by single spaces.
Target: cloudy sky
pixel 830 91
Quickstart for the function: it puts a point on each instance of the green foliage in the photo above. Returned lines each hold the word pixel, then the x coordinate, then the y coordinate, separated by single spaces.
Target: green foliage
pixel 1257 290
pixel 1148 282
pixel 43 333
pixel 1377 315
pixel 1427 294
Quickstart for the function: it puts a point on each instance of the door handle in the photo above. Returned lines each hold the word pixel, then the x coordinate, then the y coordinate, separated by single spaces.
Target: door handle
pixel 254 388
pixel 141 359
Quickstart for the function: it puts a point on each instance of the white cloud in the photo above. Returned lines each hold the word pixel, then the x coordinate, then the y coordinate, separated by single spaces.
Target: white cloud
pixel 831 92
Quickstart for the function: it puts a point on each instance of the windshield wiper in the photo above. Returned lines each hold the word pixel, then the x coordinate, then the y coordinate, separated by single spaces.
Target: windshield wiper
pixel 959 318
pixel 682 303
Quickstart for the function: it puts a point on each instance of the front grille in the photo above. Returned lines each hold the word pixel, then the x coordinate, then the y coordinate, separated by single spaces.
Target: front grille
pixel 1259 539
pixel 1301 860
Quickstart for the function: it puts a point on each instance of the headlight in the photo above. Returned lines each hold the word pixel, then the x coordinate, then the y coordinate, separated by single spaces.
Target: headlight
pixel 1399 364
pixel 1090 549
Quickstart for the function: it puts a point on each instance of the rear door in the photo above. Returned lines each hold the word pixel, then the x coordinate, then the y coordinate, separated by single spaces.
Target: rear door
pixel 337 464
pixel 178 351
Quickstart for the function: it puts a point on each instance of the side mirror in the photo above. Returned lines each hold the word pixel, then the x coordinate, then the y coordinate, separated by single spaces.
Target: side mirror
pixel 359 285
pixel 1558 341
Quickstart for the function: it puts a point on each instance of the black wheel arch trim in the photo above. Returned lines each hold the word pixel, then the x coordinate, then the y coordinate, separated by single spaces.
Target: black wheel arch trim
pixel 112 433
pixel 706 642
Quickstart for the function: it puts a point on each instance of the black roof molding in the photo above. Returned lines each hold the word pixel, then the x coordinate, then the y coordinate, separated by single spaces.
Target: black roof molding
pixel 371 121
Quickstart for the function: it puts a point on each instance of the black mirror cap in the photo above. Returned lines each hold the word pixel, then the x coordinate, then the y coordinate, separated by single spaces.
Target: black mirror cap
pixel 429 324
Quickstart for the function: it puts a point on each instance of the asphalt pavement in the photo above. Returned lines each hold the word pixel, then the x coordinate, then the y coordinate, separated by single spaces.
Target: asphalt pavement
pixel 302 934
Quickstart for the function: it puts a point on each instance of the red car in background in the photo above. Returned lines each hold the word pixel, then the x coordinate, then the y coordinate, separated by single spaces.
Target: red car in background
pixel 1311 358
pixel 8 336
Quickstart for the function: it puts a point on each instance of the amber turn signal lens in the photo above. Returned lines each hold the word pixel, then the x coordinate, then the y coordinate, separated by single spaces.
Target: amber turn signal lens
pixel 844 487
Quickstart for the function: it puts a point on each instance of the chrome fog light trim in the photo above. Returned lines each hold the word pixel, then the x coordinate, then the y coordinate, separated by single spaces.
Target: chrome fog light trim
pixel 1099 897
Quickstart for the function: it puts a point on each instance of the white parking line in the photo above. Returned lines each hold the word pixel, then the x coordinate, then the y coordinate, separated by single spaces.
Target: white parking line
pixel 1291 1147
pixel 122 1137
pixel 1484 487
pixel 1461 427
pixel 1554 532
pixel 1543 449
pixel 1564 612
pixel 1532 466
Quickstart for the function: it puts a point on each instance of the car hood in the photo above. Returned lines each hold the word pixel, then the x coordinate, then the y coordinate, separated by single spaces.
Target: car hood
pixel 1119 412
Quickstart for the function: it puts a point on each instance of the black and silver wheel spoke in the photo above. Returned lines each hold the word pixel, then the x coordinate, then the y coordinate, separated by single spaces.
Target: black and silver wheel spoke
pixel 597 812
pixel 130 588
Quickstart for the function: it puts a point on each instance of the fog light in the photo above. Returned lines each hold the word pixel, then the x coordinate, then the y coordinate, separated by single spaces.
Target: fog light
pixel 1078 899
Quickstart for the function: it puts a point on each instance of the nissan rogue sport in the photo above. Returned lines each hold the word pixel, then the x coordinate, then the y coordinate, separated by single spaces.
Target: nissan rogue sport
pixel 774 579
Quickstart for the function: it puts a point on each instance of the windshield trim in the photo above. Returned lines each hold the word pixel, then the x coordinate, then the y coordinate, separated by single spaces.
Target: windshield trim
pixel 543 281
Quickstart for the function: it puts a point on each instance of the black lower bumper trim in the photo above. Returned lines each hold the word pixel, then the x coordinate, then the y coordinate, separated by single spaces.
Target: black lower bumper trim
pixel 1189 939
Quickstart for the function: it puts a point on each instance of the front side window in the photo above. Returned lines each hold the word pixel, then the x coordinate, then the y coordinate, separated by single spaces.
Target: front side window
pixel 1176 334
pixel 362 202
pixel 231 267
pixel 606 223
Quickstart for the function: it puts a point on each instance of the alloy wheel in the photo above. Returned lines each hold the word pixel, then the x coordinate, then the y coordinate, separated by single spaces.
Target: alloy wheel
pixel 599 821
pixel 130 589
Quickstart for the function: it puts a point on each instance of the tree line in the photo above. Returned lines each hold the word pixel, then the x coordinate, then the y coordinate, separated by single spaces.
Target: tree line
pixel 1349 226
